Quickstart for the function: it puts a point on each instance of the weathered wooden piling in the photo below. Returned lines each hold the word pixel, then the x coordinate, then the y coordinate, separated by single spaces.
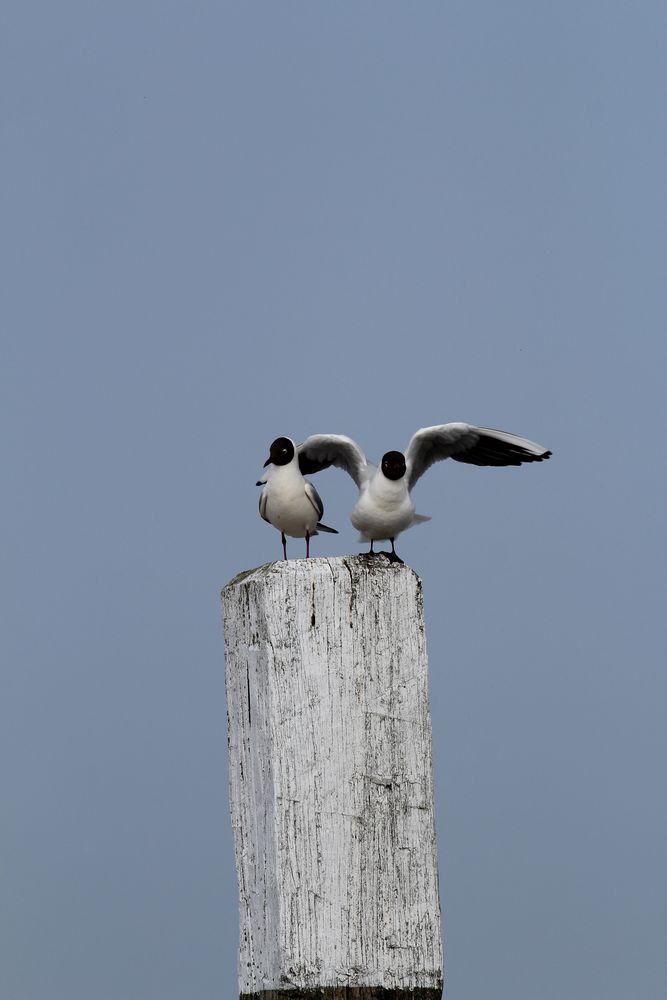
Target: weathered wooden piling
pixel 331 781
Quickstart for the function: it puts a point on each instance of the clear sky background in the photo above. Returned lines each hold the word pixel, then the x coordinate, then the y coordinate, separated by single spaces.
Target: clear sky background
pixel 224 222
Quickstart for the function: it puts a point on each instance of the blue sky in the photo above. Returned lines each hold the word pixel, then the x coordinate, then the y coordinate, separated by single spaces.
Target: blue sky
pixel 225 222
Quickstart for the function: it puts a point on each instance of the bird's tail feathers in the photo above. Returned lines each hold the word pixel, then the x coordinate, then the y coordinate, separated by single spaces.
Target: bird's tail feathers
pixel 323 527
pixel 420 518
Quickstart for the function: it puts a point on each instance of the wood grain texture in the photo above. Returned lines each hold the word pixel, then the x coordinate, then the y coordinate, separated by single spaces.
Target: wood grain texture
pixel 347 993
pixel 331 780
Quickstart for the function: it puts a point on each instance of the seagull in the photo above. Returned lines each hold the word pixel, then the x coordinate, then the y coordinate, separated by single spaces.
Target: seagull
pixel 384 507
pixel 288 501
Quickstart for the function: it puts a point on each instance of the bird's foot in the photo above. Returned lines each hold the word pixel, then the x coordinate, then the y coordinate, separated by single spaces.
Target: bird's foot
pixel 391 556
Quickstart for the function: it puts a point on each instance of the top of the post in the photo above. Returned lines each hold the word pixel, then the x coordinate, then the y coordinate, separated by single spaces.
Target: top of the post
pixel 354 567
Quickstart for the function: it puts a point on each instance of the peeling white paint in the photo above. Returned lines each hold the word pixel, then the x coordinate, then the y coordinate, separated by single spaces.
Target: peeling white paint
pixel 331 776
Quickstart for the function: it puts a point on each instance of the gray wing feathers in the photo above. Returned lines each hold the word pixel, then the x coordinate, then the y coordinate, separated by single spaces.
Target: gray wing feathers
pixel 262 505
pixel 469 444
pixel 319 451
pixel 315 499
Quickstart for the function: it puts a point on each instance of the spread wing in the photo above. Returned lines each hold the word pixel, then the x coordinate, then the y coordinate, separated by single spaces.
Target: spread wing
pixel 470 444
pixel 319 451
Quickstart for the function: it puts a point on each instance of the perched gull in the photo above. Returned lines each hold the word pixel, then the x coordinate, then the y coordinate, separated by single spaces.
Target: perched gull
pixel 384 507
pixel 288 501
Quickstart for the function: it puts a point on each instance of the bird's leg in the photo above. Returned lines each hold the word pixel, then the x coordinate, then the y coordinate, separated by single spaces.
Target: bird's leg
pixel 307 545
pixel 284 540
pixel 391 556
pixel 370 552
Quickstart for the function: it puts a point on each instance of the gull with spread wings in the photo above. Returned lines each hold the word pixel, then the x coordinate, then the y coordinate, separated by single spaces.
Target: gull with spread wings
pixel 385 507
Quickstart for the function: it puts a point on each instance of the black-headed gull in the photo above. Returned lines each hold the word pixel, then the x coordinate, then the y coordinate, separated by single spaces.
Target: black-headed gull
pixel 384 507
pixel 288 501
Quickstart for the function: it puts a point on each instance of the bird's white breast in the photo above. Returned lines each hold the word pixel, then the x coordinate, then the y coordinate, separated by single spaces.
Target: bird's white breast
pixel 384 508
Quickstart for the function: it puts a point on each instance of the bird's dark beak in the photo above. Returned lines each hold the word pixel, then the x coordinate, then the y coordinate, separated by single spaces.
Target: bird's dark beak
pixel 268 462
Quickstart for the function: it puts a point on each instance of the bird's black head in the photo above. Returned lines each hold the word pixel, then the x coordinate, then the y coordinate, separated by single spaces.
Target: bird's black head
pixel 281 452
pixel 393 464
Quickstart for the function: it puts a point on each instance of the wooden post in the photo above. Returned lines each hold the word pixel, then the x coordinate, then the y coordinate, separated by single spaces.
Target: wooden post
pixel 330 781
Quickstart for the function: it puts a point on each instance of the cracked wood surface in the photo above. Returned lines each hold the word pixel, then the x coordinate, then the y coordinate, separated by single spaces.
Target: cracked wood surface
pixel 331 780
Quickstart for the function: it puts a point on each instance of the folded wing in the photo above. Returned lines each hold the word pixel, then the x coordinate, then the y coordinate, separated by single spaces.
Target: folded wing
pixel 315 499
pixel 262 505
pixel 470 444
pixel 319 451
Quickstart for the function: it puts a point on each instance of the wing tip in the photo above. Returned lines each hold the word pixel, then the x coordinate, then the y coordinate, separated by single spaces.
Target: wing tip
pixel 542 457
